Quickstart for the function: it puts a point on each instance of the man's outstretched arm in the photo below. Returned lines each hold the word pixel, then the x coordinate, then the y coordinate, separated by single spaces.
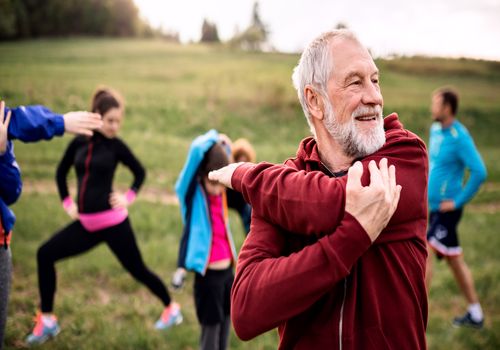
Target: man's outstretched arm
pixel 312 202
pixel 35 123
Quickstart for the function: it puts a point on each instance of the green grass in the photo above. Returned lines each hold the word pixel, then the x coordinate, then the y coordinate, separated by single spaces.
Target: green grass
pixel 174 93
pixel 97 302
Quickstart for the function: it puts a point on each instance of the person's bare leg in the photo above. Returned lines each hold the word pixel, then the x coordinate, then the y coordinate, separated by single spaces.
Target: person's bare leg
pixel 463 277
pixel 474 316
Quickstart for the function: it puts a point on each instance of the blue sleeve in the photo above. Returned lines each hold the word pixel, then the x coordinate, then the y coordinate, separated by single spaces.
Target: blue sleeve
pixel 10 176
pixel 8 217
pixel 470 156
pixel 34 123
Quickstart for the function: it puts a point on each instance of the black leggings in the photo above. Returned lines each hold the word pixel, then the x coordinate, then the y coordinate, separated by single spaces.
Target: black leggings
pixel 74 239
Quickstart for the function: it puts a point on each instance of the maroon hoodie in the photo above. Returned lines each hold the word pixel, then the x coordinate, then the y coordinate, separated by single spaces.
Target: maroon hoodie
pixel 309 268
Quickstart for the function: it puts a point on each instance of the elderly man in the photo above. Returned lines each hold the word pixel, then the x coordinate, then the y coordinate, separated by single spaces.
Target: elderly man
pixel 314 264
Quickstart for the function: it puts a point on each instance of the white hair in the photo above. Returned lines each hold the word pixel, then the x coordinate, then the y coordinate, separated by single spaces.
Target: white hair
pixel 315 68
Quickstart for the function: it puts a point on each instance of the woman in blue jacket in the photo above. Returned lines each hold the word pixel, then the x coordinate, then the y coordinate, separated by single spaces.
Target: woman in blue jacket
pixel 28 124
pixel 206 246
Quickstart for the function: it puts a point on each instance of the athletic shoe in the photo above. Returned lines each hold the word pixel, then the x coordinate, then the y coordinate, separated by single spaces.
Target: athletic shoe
pixel 467 321
pixel 170 316
pixel 42 332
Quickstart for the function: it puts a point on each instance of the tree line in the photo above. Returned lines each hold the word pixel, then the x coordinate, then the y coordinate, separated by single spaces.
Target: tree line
pixel 38 18
pixel 20 19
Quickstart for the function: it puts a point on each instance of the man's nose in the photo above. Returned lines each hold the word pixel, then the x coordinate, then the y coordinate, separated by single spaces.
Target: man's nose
pixel 372 95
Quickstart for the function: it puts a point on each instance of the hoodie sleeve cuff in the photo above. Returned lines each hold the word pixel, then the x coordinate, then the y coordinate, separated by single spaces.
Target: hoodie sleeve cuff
pixel 67 202
pixel 130 196
pixel 239 173
pixel 59 124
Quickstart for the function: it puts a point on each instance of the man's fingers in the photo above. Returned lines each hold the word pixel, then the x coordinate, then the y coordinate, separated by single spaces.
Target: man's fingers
pixel 384 171
pixel 2 109
pixel 7 120
pixel 88 120
pixel 354 176
pixel 214 175
pixel 94 120
pixel 375 176
pixel 222 176
pixel 84 131
pixel 397 195
pixel 82 122
pixel 392 176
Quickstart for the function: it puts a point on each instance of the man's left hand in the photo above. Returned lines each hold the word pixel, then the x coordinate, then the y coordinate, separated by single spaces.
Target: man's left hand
pixel 446 206
pixel 224 175
pixel 81 122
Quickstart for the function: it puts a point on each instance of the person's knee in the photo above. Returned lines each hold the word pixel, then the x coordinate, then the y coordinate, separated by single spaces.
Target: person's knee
pixel 43 254
pixel 455 262
pixel 139 271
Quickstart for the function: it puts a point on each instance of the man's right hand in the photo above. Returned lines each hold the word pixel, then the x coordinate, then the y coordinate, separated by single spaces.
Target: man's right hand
pixel 82 122
pixel 224 175
pixel 372 205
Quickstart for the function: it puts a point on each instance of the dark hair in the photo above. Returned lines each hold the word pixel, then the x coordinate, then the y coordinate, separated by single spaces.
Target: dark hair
pixel 450 98
pixel 105 99
pixel 215 158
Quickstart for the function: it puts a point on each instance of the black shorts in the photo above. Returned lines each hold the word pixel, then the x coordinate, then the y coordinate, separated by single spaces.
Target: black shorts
pixel 442 234
pixel 212 295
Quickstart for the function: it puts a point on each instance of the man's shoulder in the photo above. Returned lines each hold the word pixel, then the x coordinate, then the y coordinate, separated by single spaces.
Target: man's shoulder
pixel 403 139
pixel 295 163
pixel 307 155
pixel 460 129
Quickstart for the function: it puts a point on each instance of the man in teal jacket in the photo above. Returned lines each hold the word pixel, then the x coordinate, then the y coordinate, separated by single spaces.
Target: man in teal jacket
pixel 451 152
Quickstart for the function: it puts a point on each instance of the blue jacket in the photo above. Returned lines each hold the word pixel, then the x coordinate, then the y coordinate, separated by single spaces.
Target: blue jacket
pixel 451 151
pixel 194 250
pixel 28 124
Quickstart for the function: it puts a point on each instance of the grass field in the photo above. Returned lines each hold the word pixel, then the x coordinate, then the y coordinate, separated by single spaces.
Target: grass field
pixel 173 94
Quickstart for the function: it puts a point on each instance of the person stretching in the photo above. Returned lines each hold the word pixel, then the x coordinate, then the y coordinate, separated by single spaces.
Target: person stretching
pixel 100 215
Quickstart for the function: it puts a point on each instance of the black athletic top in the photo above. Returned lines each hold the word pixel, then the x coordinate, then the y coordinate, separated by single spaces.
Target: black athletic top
pixel 95 160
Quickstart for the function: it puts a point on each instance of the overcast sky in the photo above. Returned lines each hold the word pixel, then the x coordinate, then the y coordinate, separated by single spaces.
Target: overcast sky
pixel 468 28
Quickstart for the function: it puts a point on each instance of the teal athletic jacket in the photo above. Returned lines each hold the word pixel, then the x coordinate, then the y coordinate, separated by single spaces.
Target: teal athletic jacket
pixel 196 242
pixel 451 152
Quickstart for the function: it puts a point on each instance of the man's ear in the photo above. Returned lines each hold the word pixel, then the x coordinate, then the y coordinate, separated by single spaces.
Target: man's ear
pixel 314 102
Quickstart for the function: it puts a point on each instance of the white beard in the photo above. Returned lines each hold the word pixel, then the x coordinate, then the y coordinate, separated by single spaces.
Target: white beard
pixel 356 143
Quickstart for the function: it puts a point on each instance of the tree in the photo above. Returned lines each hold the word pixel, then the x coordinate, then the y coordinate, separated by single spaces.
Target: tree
pixel 8 26
pixel 209 32
pixel 255 36
pixel 341 25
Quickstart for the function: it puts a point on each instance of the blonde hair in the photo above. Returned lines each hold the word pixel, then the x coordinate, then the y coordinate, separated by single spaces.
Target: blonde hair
pixel 242 147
